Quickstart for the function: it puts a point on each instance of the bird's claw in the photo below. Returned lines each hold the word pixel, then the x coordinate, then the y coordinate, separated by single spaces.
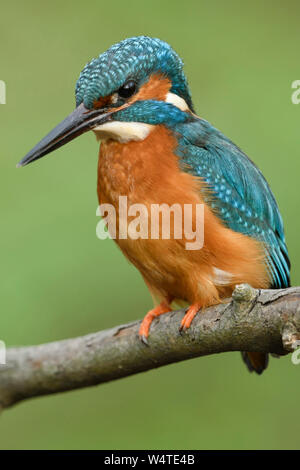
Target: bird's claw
pixel 188 317
pixel 144 340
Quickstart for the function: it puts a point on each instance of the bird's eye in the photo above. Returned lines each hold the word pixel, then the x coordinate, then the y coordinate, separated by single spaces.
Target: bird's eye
pixel 127 90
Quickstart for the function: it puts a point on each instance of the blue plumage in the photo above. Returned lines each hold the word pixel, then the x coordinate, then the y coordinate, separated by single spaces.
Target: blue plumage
pixel 134 58
pixel 107 92
pixel 242 196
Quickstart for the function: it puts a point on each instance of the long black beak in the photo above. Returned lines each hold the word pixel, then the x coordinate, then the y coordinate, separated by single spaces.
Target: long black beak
pixel 79 121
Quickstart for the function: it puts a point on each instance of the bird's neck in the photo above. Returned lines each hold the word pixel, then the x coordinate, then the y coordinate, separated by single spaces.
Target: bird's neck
pixel 145 171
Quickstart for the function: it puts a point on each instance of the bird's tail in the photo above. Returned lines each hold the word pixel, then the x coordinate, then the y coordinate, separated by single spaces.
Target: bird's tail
pixel 255 361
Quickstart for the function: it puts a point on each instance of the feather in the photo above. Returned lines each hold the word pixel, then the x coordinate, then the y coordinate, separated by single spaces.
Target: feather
pixel 239 193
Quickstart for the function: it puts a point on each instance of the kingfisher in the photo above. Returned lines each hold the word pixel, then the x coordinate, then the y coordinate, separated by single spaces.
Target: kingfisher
pixel 154 149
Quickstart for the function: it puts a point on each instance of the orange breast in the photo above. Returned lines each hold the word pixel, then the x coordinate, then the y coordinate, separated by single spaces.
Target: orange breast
pixel 148 173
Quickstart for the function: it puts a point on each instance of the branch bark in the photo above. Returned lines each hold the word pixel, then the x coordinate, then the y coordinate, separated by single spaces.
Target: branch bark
pixel 252 320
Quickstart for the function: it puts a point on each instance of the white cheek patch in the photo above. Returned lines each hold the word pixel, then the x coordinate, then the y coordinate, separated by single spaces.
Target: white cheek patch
pixel 177 101
pixel 123 131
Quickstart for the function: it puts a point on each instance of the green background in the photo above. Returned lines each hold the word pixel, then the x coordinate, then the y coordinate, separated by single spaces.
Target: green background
pixel 58 280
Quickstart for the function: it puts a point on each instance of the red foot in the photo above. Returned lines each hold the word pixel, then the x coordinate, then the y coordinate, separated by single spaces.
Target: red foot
pixel 189 316
pixel 163 307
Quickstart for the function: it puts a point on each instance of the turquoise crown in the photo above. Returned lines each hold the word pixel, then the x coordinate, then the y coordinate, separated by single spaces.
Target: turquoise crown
pixel 132 59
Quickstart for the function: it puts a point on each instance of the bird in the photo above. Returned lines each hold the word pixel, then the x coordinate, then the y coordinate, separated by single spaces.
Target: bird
pixel 155 149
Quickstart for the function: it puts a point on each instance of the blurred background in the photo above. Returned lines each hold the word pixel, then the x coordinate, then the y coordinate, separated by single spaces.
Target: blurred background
pixel 58 280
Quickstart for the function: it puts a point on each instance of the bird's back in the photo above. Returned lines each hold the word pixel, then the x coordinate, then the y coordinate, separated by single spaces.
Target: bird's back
pixel 238 191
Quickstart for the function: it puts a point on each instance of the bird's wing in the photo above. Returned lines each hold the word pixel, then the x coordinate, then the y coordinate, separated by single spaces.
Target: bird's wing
pixel 242 196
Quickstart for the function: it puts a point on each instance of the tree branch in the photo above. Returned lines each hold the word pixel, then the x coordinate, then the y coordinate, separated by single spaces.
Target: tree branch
pixel 253 320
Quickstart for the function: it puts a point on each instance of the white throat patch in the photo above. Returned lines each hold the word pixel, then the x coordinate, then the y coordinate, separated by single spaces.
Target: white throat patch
pixel 123 131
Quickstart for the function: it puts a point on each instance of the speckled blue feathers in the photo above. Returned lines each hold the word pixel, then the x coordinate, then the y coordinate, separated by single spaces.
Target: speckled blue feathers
pixel 134 58
pixel 241 196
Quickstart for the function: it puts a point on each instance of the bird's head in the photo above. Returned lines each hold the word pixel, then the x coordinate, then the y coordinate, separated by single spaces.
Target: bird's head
pixel 131 87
